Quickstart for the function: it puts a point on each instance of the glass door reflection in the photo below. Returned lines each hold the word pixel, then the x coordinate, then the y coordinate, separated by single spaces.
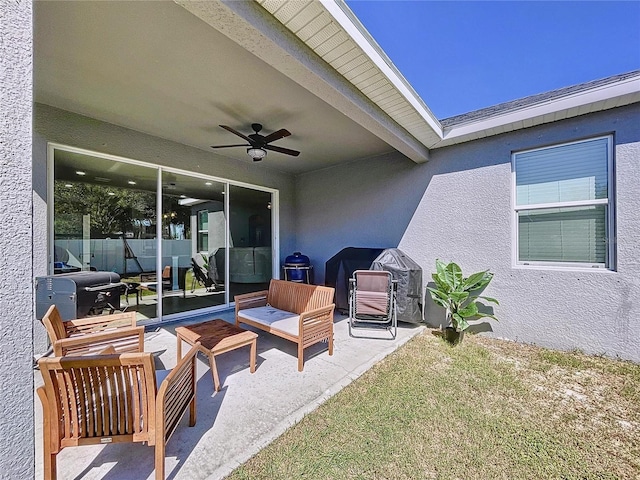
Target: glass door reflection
pixel 171 258
pixel 193 242
pixel 105 220
pixel 250 240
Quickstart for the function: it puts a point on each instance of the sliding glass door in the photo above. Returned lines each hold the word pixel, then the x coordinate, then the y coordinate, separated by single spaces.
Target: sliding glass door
pixel 104 219
pixel 180 242
pixel 250 240
pixel 193 242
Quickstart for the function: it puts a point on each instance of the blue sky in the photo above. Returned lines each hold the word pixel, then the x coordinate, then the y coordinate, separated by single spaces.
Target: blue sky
pixel 462 56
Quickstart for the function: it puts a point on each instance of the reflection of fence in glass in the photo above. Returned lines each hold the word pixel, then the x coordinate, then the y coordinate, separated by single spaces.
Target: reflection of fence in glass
pixel 109 254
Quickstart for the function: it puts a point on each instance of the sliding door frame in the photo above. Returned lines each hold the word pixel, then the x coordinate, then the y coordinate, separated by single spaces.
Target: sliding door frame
pixel 275 220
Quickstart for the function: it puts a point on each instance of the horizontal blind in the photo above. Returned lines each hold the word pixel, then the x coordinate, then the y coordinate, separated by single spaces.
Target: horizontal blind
pixel 563 235
pixel 564 173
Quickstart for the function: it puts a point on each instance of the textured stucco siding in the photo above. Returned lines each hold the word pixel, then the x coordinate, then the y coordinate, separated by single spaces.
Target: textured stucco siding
pixel 40 238
pixel 16 271
pixel 63 127
pixel 458 207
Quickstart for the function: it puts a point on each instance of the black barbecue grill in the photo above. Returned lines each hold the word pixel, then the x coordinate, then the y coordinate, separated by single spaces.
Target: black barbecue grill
pixel 78 294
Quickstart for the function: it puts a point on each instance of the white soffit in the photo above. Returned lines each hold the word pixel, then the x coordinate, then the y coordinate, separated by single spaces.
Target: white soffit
pixel 334 33
pixel 259 32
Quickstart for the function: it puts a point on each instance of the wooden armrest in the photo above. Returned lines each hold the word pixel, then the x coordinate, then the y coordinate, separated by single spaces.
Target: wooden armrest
pixel 317 315
pixel 126 339
pixel 318 312
pixel 251 300
pixel 100 323
pixel 181 370
pixel 175 393
pixel 109 350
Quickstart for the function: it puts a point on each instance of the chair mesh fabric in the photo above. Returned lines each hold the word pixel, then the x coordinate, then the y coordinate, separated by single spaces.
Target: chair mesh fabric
pixel 372 294
pixel 200 272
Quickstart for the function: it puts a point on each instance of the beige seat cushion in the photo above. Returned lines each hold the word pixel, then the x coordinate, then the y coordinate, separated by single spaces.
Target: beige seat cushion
pixel 274 318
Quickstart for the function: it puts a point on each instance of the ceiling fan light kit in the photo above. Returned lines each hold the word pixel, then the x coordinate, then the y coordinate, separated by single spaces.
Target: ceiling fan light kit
pixel 259 144
pixel 256 153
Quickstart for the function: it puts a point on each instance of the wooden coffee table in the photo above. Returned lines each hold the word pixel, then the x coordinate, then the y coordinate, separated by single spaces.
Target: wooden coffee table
pixel 216 337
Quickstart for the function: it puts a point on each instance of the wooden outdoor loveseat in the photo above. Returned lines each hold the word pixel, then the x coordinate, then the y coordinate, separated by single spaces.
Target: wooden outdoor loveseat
pixel 297 312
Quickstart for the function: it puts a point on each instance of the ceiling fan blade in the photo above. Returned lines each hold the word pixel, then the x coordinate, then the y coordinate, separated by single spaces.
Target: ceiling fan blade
pixel 277 135
pixel 226 146
pixel 286 151
pixel 235 132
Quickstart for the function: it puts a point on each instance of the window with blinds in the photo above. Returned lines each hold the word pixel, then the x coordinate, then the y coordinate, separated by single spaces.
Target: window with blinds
pixel 563 204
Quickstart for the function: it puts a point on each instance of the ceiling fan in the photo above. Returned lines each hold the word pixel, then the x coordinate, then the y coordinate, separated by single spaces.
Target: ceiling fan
pixel 259 144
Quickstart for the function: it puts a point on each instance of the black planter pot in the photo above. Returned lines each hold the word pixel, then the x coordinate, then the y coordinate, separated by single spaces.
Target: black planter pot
pixel 452 336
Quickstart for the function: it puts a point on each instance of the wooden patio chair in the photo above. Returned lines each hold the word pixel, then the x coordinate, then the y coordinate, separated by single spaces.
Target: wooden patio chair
pixel 101 399
pixel 149 281
pixel 91 335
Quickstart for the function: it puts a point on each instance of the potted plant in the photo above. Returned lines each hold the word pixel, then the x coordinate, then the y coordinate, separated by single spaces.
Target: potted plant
pixel 455 293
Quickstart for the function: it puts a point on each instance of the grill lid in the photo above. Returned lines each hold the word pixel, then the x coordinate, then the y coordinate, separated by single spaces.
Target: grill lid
pixel 90 279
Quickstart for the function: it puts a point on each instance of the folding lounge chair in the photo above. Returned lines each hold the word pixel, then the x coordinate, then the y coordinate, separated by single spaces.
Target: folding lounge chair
pixel 372 302
pixel 201 275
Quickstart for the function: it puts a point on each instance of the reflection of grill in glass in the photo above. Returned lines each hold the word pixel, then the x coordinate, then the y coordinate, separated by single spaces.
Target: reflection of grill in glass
pixel 78 294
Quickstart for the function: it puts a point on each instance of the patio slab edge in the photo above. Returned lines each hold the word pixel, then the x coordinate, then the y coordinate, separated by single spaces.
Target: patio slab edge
pixel 295 417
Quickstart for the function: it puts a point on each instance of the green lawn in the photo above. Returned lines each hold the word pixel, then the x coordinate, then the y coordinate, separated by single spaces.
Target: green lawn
pixel 486 409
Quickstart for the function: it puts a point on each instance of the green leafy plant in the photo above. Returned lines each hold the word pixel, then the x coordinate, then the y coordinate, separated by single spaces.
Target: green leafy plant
pixel 453 292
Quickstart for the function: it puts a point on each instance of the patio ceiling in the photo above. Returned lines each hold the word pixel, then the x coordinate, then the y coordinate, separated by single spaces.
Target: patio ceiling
pixel 178 69
pixel 156 68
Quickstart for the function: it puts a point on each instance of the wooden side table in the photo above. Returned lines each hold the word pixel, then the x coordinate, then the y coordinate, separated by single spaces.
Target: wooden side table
pixel 216 337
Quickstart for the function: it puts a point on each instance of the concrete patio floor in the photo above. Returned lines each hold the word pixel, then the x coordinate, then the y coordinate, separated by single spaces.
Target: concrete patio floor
pixel 249 412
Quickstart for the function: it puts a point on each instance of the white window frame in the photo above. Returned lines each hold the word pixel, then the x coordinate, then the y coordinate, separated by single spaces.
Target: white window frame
pixel 201 232
pixel 609 202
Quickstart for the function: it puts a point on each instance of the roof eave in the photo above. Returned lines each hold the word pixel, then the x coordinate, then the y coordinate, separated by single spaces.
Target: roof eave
pixel 378 97
pixel 587 101
pixel 334 34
